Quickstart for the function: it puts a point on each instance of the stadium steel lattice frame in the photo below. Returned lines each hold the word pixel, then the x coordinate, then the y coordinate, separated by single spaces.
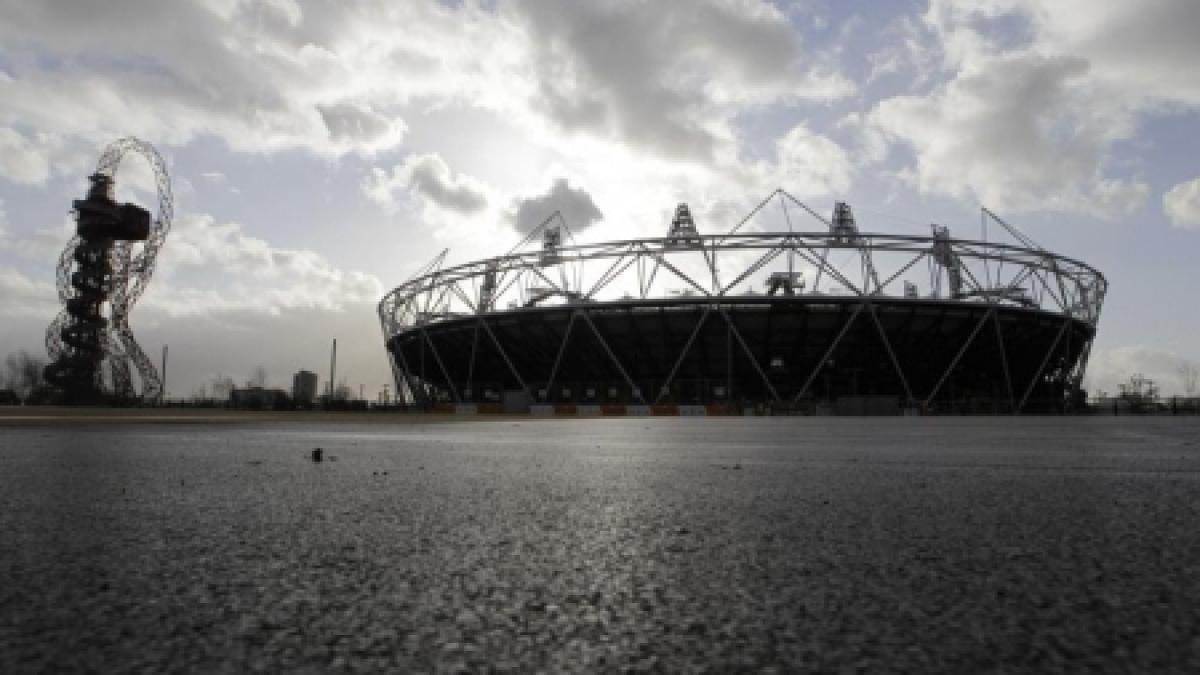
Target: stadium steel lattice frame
pixel 102 272
pixel 1007 285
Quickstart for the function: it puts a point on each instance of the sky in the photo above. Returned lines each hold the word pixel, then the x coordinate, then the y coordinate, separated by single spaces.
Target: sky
pixel 321 152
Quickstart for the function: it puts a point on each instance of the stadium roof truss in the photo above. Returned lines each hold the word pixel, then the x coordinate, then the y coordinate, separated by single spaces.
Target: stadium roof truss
pixel 717 269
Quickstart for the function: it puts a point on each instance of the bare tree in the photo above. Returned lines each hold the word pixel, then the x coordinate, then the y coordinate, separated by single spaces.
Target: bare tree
pixel 1139 390
pixel 1189 377
pixel 258 378
pixel 222 386
pixel 23 373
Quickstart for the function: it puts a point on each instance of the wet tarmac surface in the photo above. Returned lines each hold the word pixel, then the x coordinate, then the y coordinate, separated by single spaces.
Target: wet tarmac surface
pixel 604 545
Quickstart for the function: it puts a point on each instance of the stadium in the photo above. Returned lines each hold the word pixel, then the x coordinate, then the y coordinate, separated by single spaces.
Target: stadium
pixel 787 312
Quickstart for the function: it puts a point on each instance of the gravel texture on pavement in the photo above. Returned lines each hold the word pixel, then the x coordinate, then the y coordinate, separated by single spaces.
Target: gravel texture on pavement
pixel 906 544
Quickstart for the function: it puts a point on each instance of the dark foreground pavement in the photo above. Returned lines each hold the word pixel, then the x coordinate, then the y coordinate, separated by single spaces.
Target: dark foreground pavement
pixel 665 544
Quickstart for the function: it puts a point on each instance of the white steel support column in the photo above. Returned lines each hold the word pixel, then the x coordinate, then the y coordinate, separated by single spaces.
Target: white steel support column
pixel 562 349
pixel 408 376
pixel 750 355
pixel 1012 401
pixel 616 362
pixel 683 354
pixel 887 344
pixel 504 355
pixel 471 364
pixel 828 352
pixel 445 373
pixel 1045 360
pixel 958 357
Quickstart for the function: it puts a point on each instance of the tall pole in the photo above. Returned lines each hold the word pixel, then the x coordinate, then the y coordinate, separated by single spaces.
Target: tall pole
pixel 729 366
pixel 332 369
pixel 162 395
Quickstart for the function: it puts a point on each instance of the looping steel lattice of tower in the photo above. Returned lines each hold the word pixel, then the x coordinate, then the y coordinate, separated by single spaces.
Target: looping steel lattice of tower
pixel 102 272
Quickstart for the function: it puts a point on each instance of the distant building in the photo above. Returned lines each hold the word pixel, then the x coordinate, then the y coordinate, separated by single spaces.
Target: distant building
pixel 304 388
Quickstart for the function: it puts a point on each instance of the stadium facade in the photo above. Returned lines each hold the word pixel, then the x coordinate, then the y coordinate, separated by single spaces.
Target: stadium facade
pixel 833 320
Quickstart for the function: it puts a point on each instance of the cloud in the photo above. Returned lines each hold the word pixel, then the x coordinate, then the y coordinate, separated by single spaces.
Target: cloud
pixel 261 76
pixel 1143 52
pixel 1030 102
pixel 42 244
pixel 25 298
pixel 907 50
pixel 340 78
pixel 21 160
pixel 1182 204
pixel 254 275
pixel 360 124
pixel 430 178
pixel 678 64
pixel 1021 132
pixel 811 164
pixel 242 272
pixel 575 205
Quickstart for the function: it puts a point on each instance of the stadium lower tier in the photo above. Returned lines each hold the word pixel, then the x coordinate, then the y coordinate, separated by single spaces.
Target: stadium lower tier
pixel 804 353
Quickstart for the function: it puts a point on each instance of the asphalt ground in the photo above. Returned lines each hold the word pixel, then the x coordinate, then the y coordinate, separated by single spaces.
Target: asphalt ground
pixel 899 544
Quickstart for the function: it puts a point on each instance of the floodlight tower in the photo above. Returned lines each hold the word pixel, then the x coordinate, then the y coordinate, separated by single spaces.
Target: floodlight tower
pixel 683 231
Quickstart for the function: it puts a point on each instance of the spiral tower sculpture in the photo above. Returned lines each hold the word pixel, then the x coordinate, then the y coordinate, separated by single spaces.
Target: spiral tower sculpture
pixel 102 272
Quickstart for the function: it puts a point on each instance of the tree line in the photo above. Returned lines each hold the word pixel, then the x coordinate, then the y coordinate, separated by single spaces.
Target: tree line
pixel 21 380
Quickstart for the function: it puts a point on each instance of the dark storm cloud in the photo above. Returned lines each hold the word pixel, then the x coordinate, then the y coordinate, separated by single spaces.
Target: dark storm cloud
pixel 575 205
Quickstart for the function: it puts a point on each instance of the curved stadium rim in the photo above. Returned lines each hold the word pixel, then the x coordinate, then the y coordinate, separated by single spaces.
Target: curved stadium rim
pixel 799 242
pixel 1041 282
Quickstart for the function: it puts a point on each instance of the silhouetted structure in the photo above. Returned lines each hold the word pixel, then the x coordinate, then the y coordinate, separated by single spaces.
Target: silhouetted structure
pixel 304 388
pixel 856 322
pixel 101 274
pixel 259 398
